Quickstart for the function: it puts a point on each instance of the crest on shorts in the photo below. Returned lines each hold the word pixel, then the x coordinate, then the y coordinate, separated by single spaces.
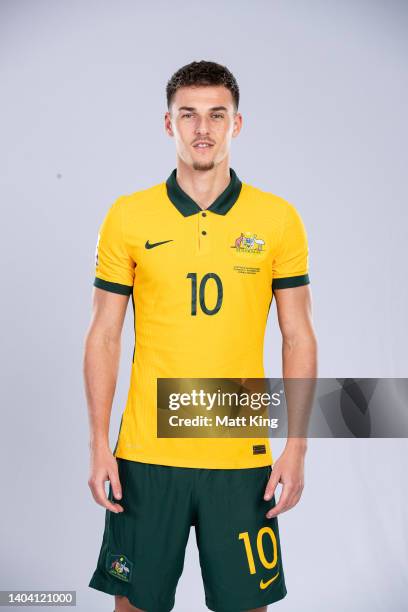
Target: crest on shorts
pixel 248 242
pixel 120 567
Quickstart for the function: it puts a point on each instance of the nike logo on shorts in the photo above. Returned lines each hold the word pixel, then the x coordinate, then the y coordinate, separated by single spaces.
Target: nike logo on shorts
pixel 264 585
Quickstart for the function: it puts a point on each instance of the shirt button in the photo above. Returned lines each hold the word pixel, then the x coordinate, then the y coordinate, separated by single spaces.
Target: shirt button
pixel 204 214
pixel 204 232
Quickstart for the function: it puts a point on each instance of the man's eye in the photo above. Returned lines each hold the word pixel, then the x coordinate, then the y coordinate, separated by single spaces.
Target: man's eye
pixel 218 115
pixel 187 115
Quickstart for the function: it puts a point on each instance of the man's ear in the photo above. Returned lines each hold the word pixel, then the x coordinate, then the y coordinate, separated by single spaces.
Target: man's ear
pixel 237 124
pixel 167 124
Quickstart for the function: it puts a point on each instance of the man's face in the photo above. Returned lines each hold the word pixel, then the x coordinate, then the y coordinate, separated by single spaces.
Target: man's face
pixel 203 120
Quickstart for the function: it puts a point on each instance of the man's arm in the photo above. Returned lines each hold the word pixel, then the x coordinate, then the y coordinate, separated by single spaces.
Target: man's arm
pixel 100 366
pixel 299 360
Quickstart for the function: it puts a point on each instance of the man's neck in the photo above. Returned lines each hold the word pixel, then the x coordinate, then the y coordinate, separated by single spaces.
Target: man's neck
pixel 203 186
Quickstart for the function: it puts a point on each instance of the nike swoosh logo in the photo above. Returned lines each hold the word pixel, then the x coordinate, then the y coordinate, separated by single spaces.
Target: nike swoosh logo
pixel 264 585
pixel 151 245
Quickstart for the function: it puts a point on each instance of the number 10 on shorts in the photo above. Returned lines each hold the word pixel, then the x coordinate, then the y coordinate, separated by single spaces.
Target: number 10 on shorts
pixel 264 532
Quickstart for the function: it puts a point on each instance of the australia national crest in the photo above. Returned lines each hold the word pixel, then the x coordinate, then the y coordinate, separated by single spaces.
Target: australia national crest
pixel 248 242
pixel 120 567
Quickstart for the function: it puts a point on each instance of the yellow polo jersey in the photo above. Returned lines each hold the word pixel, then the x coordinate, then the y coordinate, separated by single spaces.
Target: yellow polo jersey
pixel 201 282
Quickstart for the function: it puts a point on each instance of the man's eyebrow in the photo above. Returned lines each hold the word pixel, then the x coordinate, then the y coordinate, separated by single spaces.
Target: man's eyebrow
pixel 191 108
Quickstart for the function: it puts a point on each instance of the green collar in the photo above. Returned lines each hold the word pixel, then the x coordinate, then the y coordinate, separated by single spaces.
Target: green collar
pixel 187 206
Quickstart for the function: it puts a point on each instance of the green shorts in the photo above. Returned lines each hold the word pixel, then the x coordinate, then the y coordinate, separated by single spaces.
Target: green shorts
pixel 142 552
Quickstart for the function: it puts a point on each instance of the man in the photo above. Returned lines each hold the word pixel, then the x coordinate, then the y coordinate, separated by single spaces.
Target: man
pixel 201 255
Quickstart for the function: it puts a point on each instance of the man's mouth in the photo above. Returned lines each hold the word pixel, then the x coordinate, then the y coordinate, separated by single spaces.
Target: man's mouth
pixel 202 145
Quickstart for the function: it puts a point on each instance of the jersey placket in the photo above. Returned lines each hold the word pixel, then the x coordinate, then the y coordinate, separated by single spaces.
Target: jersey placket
pixel 204 233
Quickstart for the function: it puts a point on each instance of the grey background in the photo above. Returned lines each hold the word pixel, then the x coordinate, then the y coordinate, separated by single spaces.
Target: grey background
pixel 324 98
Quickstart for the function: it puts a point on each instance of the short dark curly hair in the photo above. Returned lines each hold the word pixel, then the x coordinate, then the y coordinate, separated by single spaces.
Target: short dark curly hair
pixel 202 73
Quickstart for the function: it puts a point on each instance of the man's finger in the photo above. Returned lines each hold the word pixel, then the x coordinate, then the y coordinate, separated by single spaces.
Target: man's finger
pixel 97 487
pixel 283 503
pixel 271 486
pixel 116 508
pixel 115 483
pixel 293 493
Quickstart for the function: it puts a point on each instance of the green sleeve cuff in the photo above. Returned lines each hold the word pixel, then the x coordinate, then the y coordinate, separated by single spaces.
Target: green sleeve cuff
pixel 113 287
pixel 290 281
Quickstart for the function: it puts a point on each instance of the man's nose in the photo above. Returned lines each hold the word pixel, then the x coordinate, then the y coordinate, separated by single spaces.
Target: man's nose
pixel 202 125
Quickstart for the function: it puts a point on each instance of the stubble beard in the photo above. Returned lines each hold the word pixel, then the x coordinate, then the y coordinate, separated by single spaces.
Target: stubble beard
pixel 203 167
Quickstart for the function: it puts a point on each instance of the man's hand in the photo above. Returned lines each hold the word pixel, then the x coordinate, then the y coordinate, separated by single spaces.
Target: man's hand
pixel 289 471
pixel 104 467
